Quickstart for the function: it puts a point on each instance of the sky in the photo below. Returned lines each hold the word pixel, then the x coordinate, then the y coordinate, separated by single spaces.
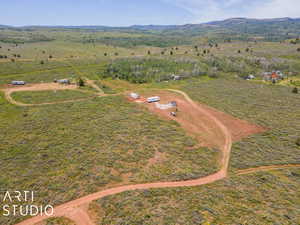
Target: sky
pixel 139 12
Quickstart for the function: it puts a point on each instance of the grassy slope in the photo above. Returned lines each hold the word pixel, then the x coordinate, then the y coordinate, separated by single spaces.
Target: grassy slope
pixel 48 74
pixel 69 150
pixel 37 97
pixel 273 107
pixel 265 198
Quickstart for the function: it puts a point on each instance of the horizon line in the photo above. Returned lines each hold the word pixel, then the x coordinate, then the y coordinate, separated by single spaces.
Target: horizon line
pixel 129 26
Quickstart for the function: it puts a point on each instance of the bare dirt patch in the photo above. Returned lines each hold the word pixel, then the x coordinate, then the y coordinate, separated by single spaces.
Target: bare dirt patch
pixel 9 89
pixel 39 87
pixel 205 130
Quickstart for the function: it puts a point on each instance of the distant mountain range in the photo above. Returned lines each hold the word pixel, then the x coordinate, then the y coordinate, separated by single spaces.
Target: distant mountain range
pixel 236 28
pixel 222 23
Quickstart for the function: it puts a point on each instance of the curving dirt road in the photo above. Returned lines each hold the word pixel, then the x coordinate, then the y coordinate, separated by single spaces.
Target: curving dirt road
pixel 49 86
pixel 69 209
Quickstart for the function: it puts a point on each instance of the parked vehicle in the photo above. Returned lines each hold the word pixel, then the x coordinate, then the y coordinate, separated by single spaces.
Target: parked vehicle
pixel 15 82
pixel 153 99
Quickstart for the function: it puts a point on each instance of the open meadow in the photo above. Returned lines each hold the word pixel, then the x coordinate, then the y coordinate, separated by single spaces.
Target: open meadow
pixel 73 142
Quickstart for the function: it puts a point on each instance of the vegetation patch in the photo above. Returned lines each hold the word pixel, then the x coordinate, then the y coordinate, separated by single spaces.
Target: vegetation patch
pixel 264 198
pixel 106 89
pixel 143 70
pixel 38 97
pixel 270 106
pixel 94 144
pixel 59 221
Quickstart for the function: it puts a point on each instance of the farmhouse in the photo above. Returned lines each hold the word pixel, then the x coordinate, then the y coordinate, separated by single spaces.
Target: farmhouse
pixel 273 76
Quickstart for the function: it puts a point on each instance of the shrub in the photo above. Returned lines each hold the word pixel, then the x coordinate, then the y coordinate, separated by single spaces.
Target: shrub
pixel 298 142
pixel 295 90
pixel 81 82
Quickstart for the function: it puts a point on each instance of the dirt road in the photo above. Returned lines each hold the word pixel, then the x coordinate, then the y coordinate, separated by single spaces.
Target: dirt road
pixel 48 86
pixel 95 86
pixel 267 168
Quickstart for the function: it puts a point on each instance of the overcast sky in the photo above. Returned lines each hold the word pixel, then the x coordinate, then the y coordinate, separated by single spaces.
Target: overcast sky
pixel 130 12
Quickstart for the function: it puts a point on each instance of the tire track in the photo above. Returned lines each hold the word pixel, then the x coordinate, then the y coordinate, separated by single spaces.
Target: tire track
pixel 266 168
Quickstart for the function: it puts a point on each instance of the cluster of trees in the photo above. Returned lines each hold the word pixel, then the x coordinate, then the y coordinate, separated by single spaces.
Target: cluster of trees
pixel 296 41
pixel 145 70
pixel 149 40
pixel 246 50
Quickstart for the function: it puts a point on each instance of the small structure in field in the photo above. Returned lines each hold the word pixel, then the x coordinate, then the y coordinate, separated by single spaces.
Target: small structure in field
pixel 173 103
pixel 134 95
pixel 273 76
pixel 173 114
pixel 18 82
pixel 250 77
pixel 63 81
pixel 170 105
pixel 153 99
pixel 176 77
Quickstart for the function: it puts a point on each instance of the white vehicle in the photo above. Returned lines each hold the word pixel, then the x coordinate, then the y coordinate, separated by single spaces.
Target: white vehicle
pixel 153 99
pixel 134 95
pixel 16 82
pixel 64 81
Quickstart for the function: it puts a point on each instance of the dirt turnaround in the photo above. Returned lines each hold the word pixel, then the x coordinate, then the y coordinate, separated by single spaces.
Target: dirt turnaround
pixel 213 132
pixel 9 89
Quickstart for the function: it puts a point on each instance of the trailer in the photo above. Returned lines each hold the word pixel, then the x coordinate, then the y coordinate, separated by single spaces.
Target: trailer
pixel 153 99
pixel 18 82
pixel 64 81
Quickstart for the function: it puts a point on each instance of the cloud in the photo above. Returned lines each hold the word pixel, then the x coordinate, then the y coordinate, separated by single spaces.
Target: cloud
pixel 277 8
pixel 208 10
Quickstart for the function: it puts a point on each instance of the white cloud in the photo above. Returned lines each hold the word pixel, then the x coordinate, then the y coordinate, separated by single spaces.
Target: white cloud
pixel 276 9
pixel 208 10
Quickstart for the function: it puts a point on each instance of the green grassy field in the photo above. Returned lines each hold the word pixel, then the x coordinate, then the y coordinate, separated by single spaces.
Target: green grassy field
pixel 265 198
pixel 38 97
pixel 273 107
pixel 68 150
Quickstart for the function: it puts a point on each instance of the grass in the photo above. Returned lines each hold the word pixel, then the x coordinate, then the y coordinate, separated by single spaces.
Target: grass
pixel 274 107
pixel 106 89
pixel 265 198
pixel 38 97
pixel 59 221
pixel 68 150
pixel 48 74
